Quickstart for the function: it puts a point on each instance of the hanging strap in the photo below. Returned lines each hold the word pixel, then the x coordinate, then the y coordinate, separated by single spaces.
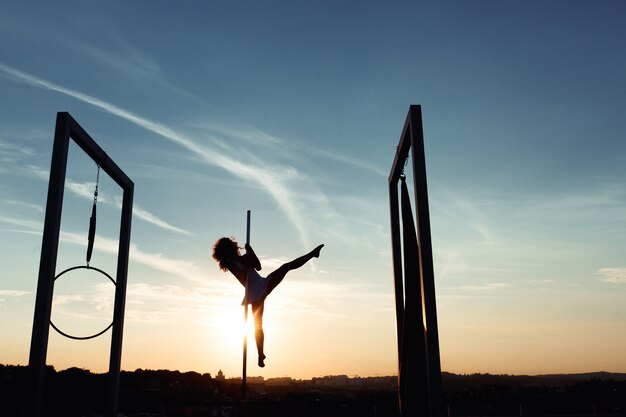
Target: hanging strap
pixel 91 236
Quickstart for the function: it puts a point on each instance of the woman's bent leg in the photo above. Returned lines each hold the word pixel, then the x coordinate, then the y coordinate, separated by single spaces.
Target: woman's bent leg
pixel 259 337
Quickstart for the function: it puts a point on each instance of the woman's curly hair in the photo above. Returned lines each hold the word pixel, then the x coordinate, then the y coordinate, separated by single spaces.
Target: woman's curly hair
pixel 224 250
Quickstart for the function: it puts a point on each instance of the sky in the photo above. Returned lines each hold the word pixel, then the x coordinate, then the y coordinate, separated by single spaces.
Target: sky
pixel 293 110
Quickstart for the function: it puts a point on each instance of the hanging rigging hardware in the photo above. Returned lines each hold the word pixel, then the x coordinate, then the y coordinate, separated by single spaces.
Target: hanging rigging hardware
pixel 91 235
pixel 402 174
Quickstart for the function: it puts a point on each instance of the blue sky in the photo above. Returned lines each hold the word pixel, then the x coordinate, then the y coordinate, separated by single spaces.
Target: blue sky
pixel 294 111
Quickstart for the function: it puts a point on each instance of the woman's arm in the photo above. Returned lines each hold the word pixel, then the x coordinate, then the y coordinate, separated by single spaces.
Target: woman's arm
pixel 254 261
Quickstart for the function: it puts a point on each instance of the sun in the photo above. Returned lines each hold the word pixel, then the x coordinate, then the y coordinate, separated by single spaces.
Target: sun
pixel 231 327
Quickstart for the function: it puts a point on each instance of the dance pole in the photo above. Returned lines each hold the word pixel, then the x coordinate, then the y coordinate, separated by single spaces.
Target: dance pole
pixel 245 324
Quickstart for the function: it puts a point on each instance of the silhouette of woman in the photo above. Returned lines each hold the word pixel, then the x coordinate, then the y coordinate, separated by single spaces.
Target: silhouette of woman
pixel 244 267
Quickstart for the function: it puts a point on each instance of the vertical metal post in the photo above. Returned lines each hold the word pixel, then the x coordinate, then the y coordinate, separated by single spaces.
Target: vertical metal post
pixel 115 359
pixel 414 335
pixel 426 261
pixel 248 228
pixel 397 277
pixel 245 323
pixel 47 265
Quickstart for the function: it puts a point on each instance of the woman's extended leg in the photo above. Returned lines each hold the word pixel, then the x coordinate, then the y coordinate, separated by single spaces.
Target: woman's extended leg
pixel 277 276
pixel 259 337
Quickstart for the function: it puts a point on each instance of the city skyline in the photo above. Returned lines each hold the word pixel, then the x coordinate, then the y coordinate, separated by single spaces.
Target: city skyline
pixel 294 112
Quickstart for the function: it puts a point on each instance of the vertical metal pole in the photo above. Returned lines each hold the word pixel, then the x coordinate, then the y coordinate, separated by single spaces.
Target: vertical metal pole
pixel 47 265
pixel 245 323
pixel 248 228
pixel 426 262
pixel 414 354
pixel 115 358
pixel 396 252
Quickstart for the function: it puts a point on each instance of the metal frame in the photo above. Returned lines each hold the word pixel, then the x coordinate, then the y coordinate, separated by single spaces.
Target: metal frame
pixel 426 357
pixel 67 128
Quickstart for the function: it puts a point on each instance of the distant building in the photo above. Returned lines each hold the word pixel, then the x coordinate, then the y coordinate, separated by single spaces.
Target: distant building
pixel 331 381
pixel 254 379
pixel 220 376
pixel 280 381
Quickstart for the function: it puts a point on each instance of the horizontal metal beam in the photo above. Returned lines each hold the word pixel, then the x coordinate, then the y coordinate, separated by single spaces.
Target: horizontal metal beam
pixel 95 152
pixel 402 151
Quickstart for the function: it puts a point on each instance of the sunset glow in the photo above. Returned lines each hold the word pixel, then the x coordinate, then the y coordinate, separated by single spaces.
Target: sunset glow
pixel 294 111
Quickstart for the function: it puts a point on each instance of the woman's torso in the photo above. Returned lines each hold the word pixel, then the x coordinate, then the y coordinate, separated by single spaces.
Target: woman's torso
pixel 256 283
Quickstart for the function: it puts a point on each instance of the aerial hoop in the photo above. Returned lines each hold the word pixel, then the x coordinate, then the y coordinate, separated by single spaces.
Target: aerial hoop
pixel 93 336
pixel 91 236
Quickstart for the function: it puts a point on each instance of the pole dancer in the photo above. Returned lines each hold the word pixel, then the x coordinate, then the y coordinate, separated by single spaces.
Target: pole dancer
pixel 226 253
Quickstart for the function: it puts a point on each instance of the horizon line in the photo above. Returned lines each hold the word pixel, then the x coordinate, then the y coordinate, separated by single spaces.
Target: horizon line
pixel 353 376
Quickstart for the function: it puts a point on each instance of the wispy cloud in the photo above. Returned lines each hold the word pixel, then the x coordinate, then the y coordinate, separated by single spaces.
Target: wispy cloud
pixel 153 219
pixel 613 275
pixel 132 61
pixel 62 299
pixel 185 269
pixel 23 204
pixel 343 159
pixel 86 189
pixel 157 261
pixel 127 60
pixel 98 296
pixel 10 152
pixel 269 180
pixel 31 225
pixel 38 172
pixel 14 293
pixel 255 136
pixel 490 286
pixel 258 137
pixel 168 303
pixel 172 303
